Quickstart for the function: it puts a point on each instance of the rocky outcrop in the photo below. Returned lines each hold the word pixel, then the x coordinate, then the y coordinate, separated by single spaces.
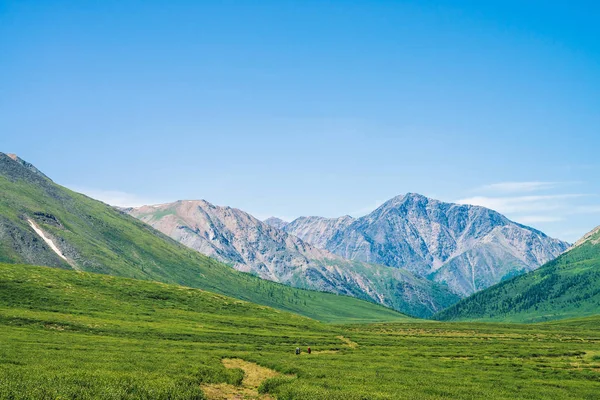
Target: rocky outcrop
pixel 250 245
pixel 469 248
pixel 592 237
pixel 27 165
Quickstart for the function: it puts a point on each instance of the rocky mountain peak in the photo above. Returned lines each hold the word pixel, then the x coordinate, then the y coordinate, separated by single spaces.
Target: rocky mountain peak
pixel 416 197
pixel 466 247
pixel 276 222
pixel 402 199
pixel 405 203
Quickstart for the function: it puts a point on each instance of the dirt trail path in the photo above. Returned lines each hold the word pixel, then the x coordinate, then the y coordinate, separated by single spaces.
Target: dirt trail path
pixel 348 342
pixel 254 375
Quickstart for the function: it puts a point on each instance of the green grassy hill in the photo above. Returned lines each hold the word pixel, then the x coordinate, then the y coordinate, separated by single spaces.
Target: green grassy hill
pixel 71 335
pixel 567 287
pixel 95 237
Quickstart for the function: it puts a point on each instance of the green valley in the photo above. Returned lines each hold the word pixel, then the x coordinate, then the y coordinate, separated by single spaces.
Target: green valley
pixel 123 312
pixel 72 335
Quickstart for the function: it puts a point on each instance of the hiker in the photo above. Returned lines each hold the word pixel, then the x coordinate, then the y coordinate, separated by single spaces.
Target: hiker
pixel 309 350
pixel 297 351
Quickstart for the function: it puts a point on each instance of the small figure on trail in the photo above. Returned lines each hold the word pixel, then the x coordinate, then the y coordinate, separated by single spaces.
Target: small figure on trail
pixel 297 351
pixel 309 350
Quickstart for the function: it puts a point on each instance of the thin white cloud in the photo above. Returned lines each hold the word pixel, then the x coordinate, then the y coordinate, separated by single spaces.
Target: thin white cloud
pixel 540 204
pixel 573 235
pixel 521 204
pixel 518 187
pixel 593 209
pixel 116 197
pixel 536 219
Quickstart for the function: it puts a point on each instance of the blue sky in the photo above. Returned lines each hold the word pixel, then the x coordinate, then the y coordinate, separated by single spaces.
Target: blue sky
pixel 311 107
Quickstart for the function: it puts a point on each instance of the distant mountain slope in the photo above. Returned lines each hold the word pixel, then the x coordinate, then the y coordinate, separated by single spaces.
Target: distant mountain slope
pixel 275 222
pixel 84 234
pixel 566 287
pixel 250 245
pixel 469 248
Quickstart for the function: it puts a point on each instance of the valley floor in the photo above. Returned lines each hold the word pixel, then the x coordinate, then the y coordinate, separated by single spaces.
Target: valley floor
pixel 84 336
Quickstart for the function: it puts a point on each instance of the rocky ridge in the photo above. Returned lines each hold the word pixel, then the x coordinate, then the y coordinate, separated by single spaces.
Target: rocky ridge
pixel 250 245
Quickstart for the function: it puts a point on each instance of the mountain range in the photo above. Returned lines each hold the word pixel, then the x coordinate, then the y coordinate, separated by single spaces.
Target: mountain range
pixel 43 223
pixel 468 248
pixel 413 254
pixel 250 245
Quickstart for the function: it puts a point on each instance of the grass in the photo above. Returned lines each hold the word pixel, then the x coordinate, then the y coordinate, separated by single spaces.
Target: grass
pixel 69 335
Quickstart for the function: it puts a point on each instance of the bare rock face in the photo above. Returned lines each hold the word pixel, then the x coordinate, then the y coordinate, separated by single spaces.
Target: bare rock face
pixel 469 248
pixel 250 245
pixel 318 230
pixel 233 236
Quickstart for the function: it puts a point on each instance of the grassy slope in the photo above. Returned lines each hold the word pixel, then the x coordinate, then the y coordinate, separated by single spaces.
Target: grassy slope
pixel 401 290
pixel 566 287
pixel 101 239
pixel 72 335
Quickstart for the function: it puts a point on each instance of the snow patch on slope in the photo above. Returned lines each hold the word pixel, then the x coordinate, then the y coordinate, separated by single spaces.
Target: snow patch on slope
pixel 48 241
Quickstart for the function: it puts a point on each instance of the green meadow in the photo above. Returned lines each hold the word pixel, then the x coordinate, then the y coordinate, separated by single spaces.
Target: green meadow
pixel 71 335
